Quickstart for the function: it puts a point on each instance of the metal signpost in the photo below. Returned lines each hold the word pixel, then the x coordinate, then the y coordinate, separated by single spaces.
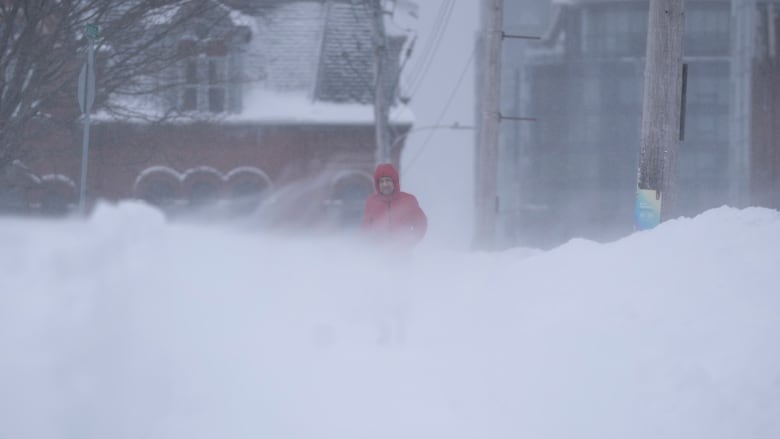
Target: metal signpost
pixel 86 95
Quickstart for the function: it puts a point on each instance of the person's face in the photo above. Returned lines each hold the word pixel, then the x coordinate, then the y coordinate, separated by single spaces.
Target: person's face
pixel 386 185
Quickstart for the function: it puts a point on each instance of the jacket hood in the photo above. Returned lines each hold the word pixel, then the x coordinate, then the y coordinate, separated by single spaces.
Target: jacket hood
pixel 387 170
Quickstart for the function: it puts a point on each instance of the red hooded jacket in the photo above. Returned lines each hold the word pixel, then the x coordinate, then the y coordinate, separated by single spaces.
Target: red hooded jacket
pixel 394 216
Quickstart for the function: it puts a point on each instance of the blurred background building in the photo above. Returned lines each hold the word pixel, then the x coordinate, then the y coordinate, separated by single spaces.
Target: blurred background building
pixel 572 172
pixel 259 108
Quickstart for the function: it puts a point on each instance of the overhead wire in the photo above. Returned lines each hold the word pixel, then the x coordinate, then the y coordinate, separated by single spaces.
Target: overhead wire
pixel 450 99
pixel 429 60
pixel 415 69
pixel 419 71
pixel 439 27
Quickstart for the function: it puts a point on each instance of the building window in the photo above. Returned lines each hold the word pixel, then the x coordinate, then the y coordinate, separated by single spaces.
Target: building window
pixel 702 126
pixel 709 92
pixel 204 77
pixel 349 198
pixel 707 29
pixel 615 31
pixel 160 193
pixel 55 204
pixel 189 101
pixel 216 84
pixel 628 92
pixel 13 199
pixel 248 189
pixel 707 108
pixel 57 200
pixel 247 195
pixel 203 192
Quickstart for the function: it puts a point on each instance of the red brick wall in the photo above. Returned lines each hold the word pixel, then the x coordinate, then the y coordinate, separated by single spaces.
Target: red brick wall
pixel 303 162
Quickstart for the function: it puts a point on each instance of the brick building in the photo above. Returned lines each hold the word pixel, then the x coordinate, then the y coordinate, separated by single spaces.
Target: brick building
pixel 272 107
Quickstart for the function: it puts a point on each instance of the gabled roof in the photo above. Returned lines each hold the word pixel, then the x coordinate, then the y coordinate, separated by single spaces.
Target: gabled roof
pixel 322 48
pixel 287 44
pixel 346 61
pixel 320 51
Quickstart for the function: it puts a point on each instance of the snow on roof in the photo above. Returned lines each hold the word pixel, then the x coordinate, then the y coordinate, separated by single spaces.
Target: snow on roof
pixel 403 18
pixel 247 170
pixel 286 45
pixel 181 176
pixel 59 178
pixel 307 62
pixel 165 14
pixel 238 18
pixel 269 107
pixel 266 106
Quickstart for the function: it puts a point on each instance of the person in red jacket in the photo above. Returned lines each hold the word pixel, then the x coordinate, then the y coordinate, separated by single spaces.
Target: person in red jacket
pixel 390 214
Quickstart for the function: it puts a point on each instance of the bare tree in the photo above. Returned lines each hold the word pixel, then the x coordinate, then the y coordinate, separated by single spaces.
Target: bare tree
pixel 42 48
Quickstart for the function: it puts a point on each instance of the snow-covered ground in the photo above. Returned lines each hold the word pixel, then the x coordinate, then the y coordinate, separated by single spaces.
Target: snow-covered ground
pixel 123 326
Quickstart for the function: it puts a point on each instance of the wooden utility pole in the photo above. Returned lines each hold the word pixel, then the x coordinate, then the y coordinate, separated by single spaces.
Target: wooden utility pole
pixel 381 99
pixel 661 113
pixel 487 148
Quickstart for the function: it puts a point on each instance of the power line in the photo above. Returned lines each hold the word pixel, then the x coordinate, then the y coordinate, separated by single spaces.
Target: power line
pixel 429 60
pixel 416 69
pixel 445 12
pixel 446 107
pixel 428 44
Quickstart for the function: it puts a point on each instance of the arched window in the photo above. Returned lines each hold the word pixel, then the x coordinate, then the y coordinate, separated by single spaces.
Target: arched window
pixel 55 203
pixel 203 186
pixel 203 192
pixel 159 186
pixel 160 192
pixel 13 199
pixel 203 75
pixel 59 195
pixel 350 193
pixel 248 186
pixel 17 184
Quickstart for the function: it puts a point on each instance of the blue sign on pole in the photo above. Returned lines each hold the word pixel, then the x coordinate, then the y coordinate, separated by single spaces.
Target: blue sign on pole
pixel 647 213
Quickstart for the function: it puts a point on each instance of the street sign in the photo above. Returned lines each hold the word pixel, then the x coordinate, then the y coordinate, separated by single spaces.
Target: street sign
pixel 86 88
pixel 92 31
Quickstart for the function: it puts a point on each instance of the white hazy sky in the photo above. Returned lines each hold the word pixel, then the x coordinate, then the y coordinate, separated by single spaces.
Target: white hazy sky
pixel 122 326
pixel 438 165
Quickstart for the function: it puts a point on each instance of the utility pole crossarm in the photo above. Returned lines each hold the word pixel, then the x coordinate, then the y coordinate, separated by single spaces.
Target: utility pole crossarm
pixel 521 37
pixel 524 119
